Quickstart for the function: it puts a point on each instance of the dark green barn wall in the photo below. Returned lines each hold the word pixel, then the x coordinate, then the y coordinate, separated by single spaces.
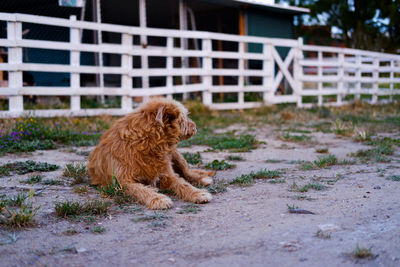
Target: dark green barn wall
pixel 267 24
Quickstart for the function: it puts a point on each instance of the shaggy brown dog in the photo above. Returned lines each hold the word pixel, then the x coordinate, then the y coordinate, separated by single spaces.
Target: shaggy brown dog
pixel 140 150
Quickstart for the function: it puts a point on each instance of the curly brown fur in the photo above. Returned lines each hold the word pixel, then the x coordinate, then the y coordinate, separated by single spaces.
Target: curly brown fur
pixel 140 150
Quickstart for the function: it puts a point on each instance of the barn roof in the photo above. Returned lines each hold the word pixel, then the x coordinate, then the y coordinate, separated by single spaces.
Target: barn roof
pixel 267 5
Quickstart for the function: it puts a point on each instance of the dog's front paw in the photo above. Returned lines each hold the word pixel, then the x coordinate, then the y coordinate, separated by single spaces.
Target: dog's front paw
pixel 160 203
pixel 201 196
pixel 206 181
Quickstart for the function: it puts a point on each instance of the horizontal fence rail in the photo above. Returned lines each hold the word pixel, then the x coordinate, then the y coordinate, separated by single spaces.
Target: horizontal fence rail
pixel 133 63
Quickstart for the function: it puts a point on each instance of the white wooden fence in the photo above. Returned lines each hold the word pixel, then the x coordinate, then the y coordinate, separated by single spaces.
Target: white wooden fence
pixel 307 75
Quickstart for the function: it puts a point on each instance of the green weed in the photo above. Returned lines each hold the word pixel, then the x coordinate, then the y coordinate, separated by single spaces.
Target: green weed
pixel 305 188
pixel 395 178
pixel 235 158
pixel 190 208
pixel 274 160
pixel 222 141
pixel 321 234
pixel 115 191
pixel 98 230
pixel 23 167
pixel 193 158
pixel 322 150
pixel 307 166
pixel 32 180
pixel 9 238
pixel 217 187
pixel 243 180
pixel 81 189
pixel 362 252
pixel 325 161
pixel 277 181
pixel 295 138
pixel 22 216
pixel 52 182
pixel 219 165
pixel 17 200
pixel 70 209
pixel 153 217
pixel 248 179
pixel 77 171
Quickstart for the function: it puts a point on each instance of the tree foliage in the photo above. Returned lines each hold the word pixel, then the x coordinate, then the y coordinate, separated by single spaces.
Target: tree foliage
pixel 364 24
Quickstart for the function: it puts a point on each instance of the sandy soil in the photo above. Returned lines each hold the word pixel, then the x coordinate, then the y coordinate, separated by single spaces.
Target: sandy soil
pixel 243 226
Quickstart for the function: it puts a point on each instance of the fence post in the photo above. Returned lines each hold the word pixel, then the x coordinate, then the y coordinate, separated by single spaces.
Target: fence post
pixel 375 77
pixel 358 77
pixel 269 69
pixel 170 65
pixel 75 62
pixel 207 66
pixel 298 72
pixel 391 80
pixel 341 76
pixel 126 64
pixel 15 80
pixel 320 75
pixel 241 81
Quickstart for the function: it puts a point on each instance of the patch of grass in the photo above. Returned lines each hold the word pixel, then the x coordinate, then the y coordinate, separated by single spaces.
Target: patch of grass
pixel 395 178
pixel 266 174
pixel 115 191
pixel 277 181
pixel 52 182
pixel 274 160
pixel 23 167
pixel 98 230
pixel 190 208
pixel 77 171
pixel 322 150
pixel 293 130
pixel 248 179
pixel 243 180
pixel 361 136
pixel 81 189
pixel 205 137
pixel 17 200
pixel 295 138
pixel 217 187
pixel 307 166
pixel 219 165
pixel 70 209
pixel 157 216
pixel 362 252
pixel 30 134
pixel 9 238
pixel 32 180
pixel 342 128
pixel 383 147
pixel 22 216
pixel 321 234
pixel 71 232
pixel 84 153
pixel 347 162
pixel 193 158
pixel 305 188
pixel 235 158
pixel 325 161
pixel 292 207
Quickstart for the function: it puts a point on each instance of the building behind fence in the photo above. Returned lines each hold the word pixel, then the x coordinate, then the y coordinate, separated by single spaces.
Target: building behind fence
pixel 307 75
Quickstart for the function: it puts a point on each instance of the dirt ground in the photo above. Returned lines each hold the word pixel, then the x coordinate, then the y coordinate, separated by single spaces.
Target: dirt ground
pixel 243 226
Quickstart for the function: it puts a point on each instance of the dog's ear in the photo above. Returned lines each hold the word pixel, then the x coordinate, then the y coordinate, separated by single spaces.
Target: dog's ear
pixel 167 113
pixel 160 115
